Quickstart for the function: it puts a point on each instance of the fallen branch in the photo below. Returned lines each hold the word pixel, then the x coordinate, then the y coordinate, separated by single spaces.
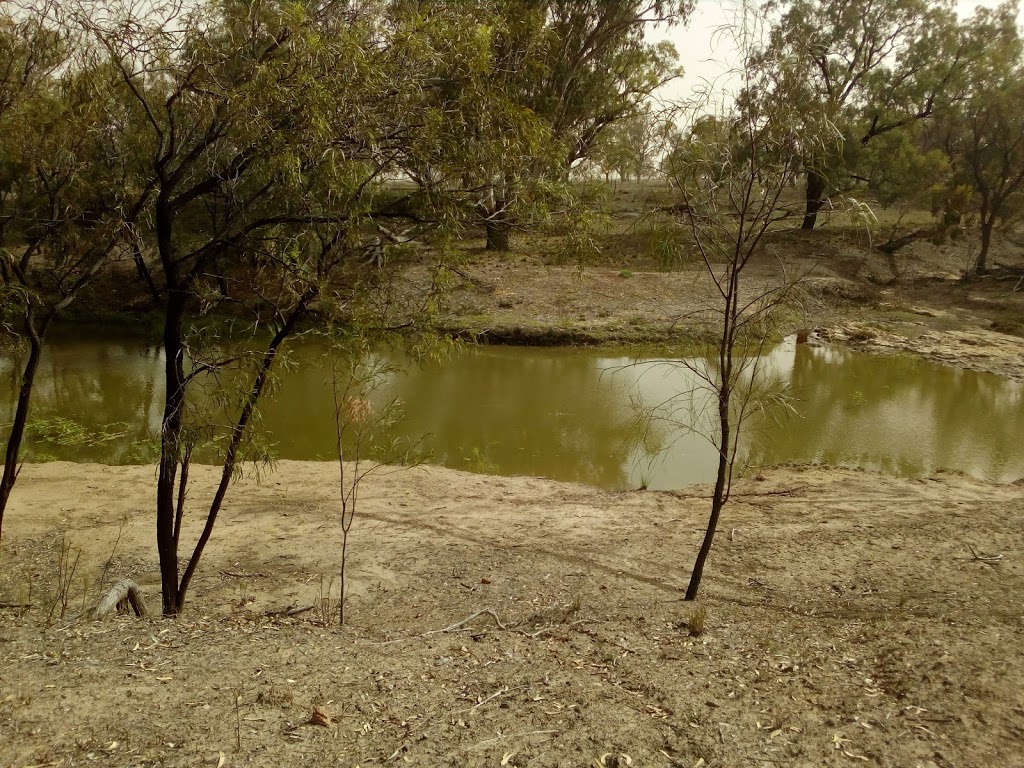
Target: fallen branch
pixel 15 606
pixel 294 611
pixel 451 627
pixel 500 692
pixel 984 557
pixel 123 594
pixel 895 244
pixel 501 737
pixel 552 627
pixel 465 621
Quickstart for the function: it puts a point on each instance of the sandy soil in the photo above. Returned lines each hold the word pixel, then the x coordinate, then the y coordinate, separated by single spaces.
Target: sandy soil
pixel 848 619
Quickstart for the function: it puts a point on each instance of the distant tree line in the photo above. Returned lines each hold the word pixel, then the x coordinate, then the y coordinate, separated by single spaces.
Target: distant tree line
pixel 903 99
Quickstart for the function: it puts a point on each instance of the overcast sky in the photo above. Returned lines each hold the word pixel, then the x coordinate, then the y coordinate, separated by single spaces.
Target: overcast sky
pixel 707 56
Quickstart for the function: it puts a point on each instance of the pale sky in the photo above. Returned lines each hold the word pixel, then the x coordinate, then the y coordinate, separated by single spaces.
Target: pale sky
pixel 707 56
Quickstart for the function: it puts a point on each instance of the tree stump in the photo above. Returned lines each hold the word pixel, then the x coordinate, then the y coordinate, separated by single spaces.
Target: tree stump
pixel 123 594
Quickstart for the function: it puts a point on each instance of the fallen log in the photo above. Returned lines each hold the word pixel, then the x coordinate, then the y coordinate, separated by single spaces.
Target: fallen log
pixel 123 594
pixel 894 244
pixel 290 611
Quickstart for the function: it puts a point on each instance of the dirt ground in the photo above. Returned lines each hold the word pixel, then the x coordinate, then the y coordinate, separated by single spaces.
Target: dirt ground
pixel 846 619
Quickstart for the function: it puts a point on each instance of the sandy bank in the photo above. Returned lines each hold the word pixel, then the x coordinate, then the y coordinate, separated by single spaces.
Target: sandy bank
pixel 847 618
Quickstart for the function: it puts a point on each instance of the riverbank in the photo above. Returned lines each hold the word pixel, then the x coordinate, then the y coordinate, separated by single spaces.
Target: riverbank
pixel 915 302
pixel 846 618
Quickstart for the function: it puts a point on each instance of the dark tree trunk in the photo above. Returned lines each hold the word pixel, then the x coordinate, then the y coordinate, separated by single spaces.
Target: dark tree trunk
pixel 726 350
pixel 231 455
pixel 498 230
pixel 17 435
pixel 814 199
pixel 718 498
pixel 987 224
pixel 144 274
pixel 171 449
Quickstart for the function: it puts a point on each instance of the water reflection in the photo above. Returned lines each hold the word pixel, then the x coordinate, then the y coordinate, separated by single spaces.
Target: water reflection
pixel 572 414
pixel 901 415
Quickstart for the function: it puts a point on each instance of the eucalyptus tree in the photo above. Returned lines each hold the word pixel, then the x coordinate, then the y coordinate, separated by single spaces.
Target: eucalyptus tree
pixel 630 147
pixel 732 173
pixel 492 152
pixel 562 72
pixel 600 67
pixel 274 137
pixel 983 133
pixel 63 207
pixel 862 68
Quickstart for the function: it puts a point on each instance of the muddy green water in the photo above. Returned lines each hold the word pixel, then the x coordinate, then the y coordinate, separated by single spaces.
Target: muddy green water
pixel 566 414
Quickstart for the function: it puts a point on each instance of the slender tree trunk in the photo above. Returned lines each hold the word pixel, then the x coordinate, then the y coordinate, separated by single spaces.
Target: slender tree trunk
pixel 495 214
pixel 231 455
pixel 171 448
pixel 717 499
pixel 987 224
pixel 726 350
pixel 144 273
pixel 17 435
pixel 814 199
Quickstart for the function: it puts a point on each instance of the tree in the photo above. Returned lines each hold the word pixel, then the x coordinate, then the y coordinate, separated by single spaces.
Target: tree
pixel 505 150
pixel 731 175
pixel 983 134
pixel 630 148
pixel 365 439
pixel 865 67
pixel 599 68
pixel 63 208
pixel 271 135
pixel 904 173
pixel 562 72
pixel 988 151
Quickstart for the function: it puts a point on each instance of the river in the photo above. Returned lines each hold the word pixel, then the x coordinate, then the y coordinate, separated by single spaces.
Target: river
pixel 566 414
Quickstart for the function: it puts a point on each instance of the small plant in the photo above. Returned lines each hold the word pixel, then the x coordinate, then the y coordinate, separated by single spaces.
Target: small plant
pixel 696 623
pixel 479 462
pixel 108 564
pixel 326 607
pixel 25 595
pixel 244 598
pixel 68 556
pixel 625 273
pixel 361 428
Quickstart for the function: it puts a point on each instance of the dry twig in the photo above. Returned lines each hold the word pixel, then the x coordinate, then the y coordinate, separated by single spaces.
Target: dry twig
pixel 451 627
pixel 985 557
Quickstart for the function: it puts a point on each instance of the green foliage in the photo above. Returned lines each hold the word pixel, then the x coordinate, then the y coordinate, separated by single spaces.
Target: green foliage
pixel 599 68
pixel 630 148
pixel 857 71
pixel 479 462
pixel 539 83
pixel 902 171
pixel 982 134
pixel 65 432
